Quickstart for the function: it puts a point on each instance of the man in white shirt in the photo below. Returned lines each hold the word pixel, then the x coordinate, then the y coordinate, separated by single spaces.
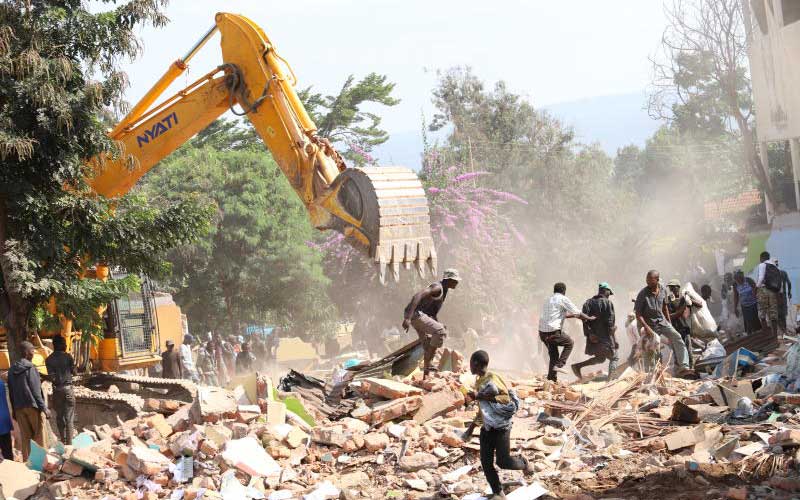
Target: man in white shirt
pixel 187 359
pixel 768 288
pixel 555 310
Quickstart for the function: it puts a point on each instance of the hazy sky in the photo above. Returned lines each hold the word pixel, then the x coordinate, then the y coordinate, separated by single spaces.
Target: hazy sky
pixel 551 51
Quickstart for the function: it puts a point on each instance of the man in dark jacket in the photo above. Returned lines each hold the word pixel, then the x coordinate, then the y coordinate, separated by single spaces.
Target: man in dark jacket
pixel 244 360
pixel 60 369
pixel 599 332
pixel 171 363
pixel 27 399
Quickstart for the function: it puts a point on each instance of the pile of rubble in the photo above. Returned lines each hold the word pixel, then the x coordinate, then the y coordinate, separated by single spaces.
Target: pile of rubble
pixel 402 438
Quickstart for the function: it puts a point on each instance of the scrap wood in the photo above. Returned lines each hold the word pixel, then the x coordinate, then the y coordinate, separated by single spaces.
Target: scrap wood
pixel 605 400
pixel 386 363
pixel 761 466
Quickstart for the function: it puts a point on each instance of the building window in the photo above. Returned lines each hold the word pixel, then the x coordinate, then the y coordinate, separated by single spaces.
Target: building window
pixel 791 11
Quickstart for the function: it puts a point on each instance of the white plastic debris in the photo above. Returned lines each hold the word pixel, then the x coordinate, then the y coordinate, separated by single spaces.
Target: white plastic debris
pixel 453 476
pixel 182 470
pixel 249 457
pixel 324 491
pixel 530 492
pixel 280 495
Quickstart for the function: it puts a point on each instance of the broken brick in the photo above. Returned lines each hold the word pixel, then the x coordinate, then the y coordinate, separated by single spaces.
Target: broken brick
pixel 388 389
pixel 376 441
pixel 418 461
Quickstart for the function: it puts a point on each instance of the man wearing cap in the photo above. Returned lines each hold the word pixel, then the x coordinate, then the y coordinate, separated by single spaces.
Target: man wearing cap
pixel 679 309
pixel 600 341
pixel 555 310
pixel 171 365
pixel 422 313
pixel 652 313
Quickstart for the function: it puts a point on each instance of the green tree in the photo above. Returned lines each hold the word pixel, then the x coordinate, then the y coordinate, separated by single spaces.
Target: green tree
pixel 58 76
pixel 569 187
pixel 343 120
pixel 255 264
pixel 701 82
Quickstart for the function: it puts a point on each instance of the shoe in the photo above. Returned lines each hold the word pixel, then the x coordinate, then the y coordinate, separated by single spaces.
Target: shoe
pixel 498 496
pixel 529 469
pixel 688 374
pixel 577 371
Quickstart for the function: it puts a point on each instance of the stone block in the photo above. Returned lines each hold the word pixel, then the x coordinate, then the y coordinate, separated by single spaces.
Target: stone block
pixel 388 389
pixel 147 461
pixel 219 434
pixel 296 437
pixel 329 436
pixel 685 437
pixel 389 410
pixel 418 461
pixel 376 441
pixel 159 423
pixel 276 412
pixel 213 404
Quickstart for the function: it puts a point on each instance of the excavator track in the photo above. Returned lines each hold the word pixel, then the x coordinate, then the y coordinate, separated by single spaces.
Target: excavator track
pixel 145 387
pixel 98 408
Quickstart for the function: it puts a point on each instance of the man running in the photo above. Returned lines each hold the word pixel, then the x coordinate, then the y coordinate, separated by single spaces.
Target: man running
pixel 600 340
pixel 422 313
pixel 652 312
pixel 497 404
pixel 554 311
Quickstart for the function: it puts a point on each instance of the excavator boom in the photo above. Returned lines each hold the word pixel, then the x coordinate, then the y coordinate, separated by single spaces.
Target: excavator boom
pixel 383 212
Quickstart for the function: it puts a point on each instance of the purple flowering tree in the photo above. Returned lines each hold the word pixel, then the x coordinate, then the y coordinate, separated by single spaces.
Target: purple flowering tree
pixel 473 231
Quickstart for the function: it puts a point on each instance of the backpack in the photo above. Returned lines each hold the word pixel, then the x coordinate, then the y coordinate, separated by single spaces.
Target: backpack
pixel 772 278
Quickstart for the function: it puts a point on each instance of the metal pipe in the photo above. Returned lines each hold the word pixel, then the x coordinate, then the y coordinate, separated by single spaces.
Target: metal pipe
pixel 173 72
pixel 199 45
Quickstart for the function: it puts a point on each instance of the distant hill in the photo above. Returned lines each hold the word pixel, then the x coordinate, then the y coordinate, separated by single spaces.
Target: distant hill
pixel 613 121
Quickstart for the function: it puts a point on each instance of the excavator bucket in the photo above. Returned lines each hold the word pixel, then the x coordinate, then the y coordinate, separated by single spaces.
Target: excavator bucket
pixel 390 206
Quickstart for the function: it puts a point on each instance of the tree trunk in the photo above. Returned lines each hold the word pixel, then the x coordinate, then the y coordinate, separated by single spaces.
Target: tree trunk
pixel 17 308
pixel 758 168
pixel 229 310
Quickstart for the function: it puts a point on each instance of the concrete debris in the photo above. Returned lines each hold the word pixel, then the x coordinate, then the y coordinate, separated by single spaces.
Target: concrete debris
pixel 18 482
pixel 388 389
pixel 213 404
pixel 402 438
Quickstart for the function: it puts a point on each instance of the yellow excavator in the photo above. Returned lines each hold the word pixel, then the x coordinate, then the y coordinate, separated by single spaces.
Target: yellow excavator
pixel 382 211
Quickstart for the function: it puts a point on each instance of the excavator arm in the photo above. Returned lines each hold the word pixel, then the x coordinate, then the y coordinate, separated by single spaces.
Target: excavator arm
pixel 383 212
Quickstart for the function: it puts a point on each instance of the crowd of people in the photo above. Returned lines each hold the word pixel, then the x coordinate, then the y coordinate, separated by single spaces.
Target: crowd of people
pixel 661 316
pixel 218 358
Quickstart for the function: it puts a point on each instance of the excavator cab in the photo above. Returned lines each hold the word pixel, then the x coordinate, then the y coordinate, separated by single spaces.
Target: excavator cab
pixel 131 337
